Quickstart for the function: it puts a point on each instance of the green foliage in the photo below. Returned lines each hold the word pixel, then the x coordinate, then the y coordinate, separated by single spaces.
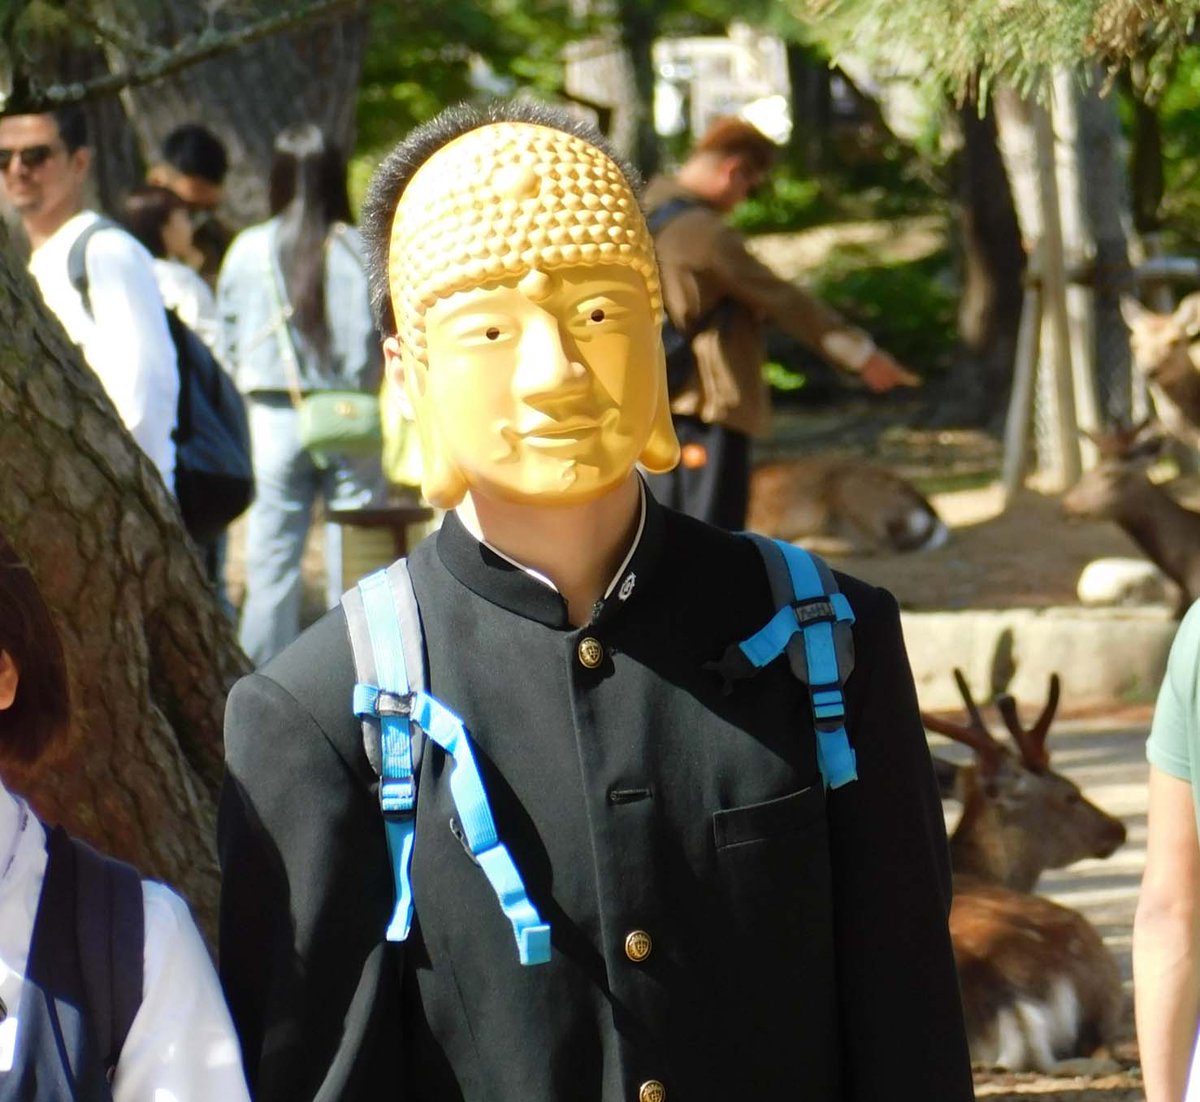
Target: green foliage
pixel 960 43
pixel 1179 117
pixel 786 201
pixel 783 378
pixel 908 307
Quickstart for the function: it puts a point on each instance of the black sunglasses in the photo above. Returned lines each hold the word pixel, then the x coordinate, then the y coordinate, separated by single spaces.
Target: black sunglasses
pixel 32 156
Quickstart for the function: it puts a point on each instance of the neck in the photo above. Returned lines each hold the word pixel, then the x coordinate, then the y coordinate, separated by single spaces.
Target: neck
pixel 39 228
pixel 697 177
pixel 578 547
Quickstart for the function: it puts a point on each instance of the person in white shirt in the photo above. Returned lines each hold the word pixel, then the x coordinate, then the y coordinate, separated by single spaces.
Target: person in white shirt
pixel 44 163
pixel 159 219
pixel 180 1045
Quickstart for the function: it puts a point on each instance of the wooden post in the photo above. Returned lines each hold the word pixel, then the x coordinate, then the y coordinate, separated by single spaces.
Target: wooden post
pixel 1020 402
pixel 1064 468
pixel 1079 248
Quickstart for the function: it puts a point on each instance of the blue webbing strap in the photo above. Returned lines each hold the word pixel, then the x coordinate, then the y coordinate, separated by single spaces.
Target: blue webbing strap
pixel 397 705
pixel 811 624
pixel 471 802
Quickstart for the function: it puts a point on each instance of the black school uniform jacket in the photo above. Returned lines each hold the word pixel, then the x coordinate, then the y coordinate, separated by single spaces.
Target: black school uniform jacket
pixel 798 938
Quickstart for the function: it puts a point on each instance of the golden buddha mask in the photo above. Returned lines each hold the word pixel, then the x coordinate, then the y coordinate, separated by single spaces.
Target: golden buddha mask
pixel 528 311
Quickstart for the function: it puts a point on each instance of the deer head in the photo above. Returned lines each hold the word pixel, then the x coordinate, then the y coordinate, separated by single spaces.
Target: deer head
pixel 1019 816
pixel 1159 342
pixel 1126 453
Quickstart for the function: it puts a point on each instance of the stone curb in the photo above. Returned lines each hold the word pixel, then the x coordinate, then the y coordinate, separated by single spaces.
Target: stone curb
pixel 1103 655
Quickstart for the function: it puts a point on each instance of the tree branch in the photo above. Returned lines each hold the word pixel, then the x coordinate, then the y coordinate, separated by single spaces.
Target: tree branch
pixel 28 98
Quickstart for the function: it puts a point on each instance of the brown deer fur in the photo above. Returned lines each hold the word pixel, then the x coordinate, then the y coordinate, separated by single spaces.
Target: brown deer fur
pixel 1119 489
pixel 1038 984
pixel 1163 350
pixel 866 508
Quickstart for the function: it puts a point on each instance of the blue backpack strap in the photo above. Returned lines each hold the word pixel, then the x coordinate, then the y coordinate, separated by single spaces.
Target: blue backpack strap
pixel 391 698
pixel 812 625
pixel 110 928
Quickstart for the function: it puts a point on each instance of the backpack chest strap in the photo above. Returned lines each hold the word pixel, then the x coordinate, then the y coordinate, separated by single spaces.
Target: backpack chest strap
pixel 811 625
pixel 396 707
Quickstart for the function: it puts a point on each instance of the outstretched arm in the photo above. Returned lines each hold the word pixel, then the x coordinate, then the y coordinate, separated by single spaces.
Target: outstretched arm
pixel 802 315
pixel 1166 940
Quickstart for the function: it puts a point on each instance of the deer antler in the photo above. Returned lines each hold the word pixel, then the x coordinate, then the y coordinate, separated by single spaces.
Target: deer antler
pixel 974 734
pixel 1032 741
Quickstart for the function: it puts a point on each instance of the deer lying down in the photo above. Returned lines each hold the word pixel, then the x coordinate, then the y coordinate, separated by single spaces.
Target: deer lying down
pixel 1163 351
pixel 1119 489
pixel 1038 984
pixel 865 507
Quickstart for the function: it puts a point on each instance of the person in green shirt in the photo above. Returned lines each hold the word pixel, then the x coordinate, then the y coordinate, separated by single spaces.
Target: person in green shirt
pixel 1166 928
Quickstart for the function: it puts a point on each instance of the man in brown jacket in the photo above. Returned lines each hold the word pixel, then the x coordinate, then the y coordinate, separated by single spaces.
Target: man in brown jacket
pixel 711 282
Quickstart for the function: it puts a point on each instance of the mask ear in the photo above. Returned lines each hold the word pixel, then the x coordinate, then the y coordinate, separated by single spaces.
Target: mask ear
pixel 442 483
pixel 661 453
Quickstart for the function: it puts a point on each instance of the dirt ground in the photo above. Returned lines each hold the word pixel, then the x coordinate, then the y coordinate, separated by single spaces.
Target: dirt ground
pixel 1020 553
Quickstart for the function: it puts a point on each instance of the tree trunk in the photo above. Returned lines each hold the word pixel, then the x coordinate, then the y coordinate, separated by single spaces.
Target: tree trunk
pixel 633 131
pixel 150 655
pixel 248 95
pixel 812 109
pixel 993 260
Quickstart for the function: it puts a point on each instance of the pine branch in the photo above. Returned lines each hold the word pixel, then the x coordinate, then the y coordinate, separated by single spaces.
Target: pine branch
pixel 30 98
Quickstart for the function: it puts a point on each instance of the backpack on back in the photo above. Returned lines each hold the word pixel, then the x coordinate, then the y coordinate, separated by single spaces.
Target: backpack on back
pixel 83 977
pixel 214 476
pixel 677 343
pixel 811 625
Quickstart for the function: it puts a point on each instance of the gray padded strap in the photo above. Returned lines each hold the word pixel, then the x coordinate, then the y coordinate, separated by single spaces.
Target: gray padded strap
pixel 365 672
pixel 783 594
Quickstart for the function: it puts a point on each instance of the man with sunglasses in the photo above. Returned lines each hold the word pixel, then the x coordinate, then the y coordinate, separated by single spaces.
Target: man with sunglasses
pixel 719 294
pixel 122 327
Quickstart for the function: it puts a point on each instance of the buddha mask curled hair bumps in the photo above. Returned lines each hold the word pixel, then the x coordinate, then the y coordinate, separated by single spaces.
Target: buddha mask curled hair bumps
pixel 500 198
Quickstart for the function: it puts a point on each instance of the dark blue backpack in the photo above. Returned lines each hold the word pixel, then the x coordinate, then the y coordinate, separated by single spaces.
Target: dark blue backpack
pixel 677 343
pixel 214 476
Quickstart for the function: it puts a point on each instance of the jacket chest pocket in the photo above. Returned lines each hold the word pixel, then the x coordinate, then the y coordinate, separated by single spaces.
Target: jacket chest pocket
pixel 776 891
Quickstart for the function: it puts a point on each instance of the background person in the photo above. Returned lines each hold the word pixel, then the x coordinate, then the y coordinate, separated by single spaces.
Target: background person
pixel 159 219
pixel 181 1046
pixel 295 316
pixel 44 161
pixel 708 273
pixel 1166 927
pixel 193 164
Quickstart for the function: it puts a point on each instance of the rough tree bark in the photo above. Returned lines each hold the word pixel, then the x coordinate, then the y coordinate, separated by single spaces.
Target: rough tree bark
pixel 249 95
pixel 150 655
pixel 993 265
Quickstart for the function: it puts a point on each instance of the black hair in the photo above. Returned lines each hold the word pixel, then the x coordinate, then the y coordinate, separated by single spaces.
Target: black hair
pixel 144 213
pixel 41 709
pixel 400 165
pixel 307 191
pixel 72 126
pixel 195 150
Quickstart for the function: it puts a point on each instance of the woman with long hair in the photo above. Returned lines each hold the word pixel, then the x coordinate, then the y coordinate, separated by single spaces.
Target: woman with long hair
pixel 105 995
pixel 295 319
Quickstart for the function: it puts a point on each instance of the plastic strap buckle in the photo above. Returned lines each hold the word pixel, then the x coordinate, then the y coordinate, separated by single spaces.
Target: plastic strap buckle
pixel 814 610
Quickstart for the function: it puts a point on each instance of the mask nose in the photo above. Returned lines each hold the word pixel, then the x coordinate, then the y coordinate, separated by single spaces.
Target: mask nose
pixel 548 369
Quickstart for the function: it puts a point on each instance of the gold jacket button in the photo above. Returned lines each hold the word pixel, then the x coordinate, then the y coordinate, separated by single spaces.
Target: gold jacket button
pixel 652 1091
pixel 638 946
pixel 591 653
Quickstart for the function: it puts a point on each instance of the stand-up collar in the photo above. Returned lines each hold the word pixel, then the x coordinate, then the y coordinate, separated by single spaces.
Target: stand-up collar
pixel 511 586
